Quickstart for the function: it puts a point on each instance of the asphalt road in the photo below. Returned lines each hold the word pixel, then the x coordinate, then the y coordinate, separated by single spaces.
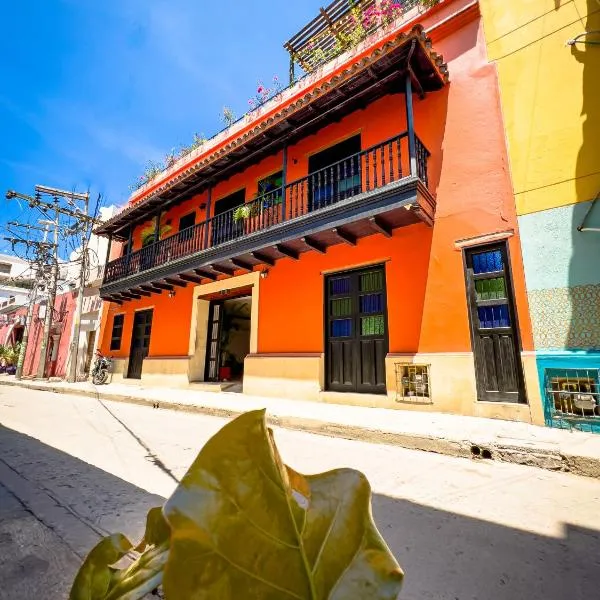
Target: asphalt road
pixel 75 468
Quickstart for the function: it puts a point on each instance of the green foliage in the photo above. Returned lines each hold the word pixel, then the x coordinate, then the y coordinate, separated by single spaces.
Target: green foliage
pixel 147 233
pixel 228 116
pixel 363 19
pixel 241 524
pixel 10 354
pixel 26 284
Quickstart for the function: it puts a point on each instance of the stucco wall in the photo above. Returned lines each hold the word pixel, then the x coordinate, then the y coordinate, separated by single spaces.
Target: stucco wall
pixel 562 267
pixel 550 95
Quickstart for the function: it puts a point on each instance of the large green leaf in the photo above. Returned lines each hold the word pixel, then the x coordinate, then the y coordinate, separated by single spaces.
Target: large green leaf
pixel 96 575
pixel 99 580
pixel 241 524
pixel 245 526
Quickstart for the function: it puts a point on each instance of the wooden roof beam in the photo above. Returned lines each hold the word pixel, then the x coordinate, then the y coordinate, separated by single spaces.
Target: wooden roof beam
pixel 163 286
pixel 313 245
pixel 220 269
pixel 150 288
pixel 380 227
pixel 240 264
pixel 177 282
pixel 141 292
pixel 130 295
pixel 286 251
pixel 344 236
pixel 205 275
pixel 263 258
pixel 190 278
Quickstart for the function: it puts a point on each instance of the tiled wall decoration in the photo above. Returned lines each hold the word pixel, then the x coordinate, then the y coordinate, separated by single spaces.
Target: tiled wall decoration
pixel 566 318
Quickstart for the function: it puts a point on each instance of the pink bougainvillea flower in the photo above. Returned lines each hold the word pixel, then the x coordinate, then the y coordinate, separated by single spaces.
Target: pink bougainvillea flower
pixel 260 89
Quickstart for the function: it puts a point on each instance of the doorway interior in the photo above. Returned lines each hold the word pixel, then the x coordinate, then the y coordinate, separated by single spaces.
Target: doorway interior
pixel 228 341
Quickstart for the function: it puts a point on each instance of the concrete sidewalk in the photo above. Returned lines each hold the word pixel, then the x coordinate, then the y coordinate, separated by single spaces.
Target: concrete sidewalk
pixel 468 437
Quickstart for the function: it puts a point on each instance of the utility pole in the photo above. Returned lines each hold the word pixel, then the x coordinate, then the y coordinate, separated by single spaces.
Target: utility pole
pixel 83 223
pixel 72 378
pixel 28 320
pixel 41 370
pixel 41 252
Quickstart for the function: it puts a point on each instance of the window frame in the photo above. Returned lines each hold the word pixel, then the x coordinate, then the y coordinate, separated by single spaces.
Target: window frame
pixel 114 336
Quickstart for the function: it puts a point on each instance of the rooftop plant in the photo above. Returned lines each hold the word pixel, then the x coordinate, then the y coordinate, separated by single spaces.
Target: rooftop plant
pixel 360 22
pixel 242 524
pixel 264 93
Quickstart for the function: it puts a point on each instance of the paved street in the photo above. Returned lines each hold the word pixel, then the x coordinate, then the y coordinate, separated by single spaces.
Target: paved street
pixel 73 468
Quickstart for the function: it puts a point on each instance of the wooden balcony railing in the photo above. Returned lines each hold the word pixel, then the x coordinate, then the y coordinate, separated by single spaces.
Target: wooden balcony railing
pixel 366 171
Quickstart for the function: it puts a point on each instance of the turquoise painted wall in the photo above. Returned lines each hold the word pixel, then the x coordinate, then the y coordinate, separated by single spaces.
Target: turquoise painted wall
pixel 555 254
pixel 562 271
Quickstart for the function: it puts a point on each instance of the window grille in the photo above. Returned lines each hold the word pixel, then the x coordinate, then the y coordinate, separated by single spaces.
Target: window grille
pixel 413 383
pixel 573 398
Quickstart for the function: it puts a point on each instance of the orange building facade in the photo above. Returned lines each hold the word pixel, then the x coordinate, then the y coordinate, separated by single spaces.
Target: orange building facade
pixel 354 239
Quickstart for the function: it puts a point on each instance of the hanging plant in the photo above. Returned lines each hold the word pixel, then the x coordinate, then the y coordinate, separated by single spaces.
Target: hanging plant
pixel 147 233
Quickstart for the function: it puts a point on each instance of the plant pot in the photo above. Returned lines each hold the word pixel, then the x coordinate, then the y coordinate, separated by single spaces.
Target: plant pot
pixel 224 373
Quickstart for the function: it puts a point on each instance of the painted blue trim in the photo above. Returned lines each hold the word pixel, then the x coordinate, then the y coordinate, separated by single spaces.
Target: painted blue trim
pixel 564 359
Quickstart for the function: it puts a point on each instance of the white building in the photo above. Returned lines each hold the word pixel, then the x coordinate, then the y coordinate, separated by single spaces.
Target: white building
pixel 92 303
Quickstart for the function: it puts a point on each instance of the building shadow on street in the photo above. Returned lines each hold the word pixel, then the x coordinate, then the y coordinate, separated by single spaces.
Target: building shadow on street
pixel 445 555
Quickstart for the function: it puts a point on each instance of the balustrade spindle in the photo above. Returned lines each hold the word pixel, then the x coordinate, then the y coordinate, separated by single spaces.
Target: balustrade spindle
pixel 367 171
pixel 399 157
pixel 391 160
pixel 375 179
pixel 382 156
pixel 321 194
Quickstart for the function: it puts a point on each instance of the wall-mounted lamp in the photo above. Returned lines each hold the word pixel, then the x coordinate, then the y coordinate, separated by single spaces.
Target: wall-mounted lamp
pixel 264 274
pixel 171 293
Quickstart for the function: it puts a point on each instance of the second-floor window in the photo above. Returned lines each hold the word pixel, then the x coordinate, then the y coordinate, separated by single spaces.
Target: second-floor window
pixel 117 332
pixel 185 223
pixel 334 173
pixel 270 188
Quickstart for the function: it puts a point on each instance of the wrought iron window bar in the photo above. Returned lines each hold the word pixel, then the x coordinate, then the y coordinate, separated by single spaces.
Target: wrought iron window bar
pixel 413 383
pixel 573 398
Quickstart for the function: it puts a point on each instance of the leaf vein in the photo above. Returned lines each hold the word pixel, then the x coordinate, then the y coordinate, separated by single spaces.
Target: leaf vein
pixel 327 534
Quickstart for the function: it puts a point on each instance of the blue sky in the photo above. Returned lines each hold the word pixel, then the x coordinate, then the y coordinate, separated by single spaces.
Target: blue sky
pixel 91 91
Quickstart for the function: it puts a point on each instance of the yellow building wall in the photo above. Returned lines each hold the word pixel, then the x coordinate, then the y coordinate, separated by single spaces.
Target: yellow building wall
pixel 550 96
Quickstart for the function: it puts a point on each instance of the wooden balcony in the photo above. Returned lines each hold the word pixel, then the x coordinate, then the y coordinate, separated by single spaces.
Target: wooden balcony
pixel 374 191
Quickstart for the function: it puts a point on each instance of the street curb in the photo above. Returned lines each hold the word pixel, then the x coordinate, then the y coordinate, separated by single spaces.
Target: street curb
pixel 552 460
